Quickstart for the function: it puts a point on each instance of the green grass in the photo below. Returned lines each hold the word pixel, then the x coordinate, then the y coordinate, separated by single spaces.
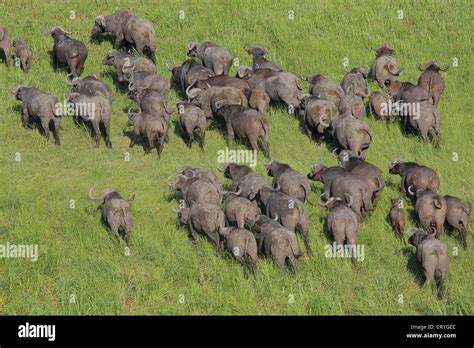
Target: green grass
pixel 78 257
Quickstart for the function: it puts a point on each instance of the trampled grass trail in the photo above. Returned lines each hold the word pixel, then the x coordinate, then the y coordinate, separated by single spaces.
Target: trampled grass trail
pixel 81 271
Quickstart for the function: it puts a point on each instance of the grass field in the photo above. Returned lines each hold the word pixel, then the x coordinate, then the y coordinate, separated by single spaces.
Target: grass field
pixel 166 273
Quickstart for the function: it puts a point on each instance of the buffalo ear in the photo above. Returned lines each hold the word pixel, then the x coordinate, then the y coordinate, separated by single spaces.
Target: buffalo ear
pixel 252 194
pixel 192 46
pixel 437 203
pixel 100 20
pixel 192 94
pixel 224 231
pixel 242 71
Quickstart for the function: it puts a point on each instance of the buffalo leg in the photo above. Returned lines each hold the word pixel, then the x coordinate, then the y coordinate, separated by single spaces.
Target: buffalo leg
pixel 230 135
pixel 56 130
pixel 266 145
pixel 151 142
pixel 97 134
pixel 107 132
pixel 118 41
pixel 203 137
pixel 193 233
pixel 254 144
pixel 45 125
pixel 161 142
pixel 23 64
pixel 133 140
pixel 462 233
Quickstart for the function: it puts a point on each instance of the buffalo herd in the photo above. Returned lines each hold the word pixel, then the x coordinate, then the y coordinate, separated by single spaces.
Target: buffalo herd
pixel 256 217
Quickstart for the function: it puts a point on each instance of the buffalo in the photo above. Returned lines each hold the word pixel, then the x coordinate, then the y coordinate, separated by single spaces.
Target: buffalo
pixel 368 172
pixel 379 104
pixel 202 174
pixel 431 210
pixel 397 217
pixel 242 245
pixel 67 51
pixel 288 211
pixel 318 115
pixel 277 241
pixel 259 100
pixel 385 69
pixel 196 190
pixel 94 111
pixel 188 73
pixel 352 104
pixel 90 86
pixel 5 44
pixel 144 79
pixel 208 98
pixel 23 53
pixel 239 210
pixel 355 81
pixel 342 184
pixel 279 85
pixel 428 119
pixel 116 213
pixel 342 222
pixel 288 180
pixel 324 88
pixel 259 61
pixel 222 81
pixel 415 175
pixel 127 28
pixel 351 134
pixel 432 257
pixel 212 56
pixel 203 218
pixel 41 106
pixel 245 179
pixel 432 81
pixel 244 122
pixel 458 214
pixel 125 62
pixel 190 118
pixel 152 127
pixel 407 92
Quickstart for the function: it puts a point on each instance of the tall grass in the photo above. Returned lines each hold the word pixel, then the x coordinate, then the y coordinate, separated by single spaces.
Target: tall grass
pixel 166 273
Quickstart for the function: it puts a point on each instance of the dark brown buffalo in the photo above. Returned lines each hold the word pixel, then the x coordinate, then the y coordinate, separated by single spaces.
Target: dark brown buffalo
pixel 432 81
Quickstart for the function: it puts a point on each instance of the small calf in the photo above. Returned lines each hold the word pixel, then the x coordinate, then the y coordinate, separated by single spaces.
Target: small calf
pixel 23 53
pixel 397 216
pixel 242 245
pixel 116 213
